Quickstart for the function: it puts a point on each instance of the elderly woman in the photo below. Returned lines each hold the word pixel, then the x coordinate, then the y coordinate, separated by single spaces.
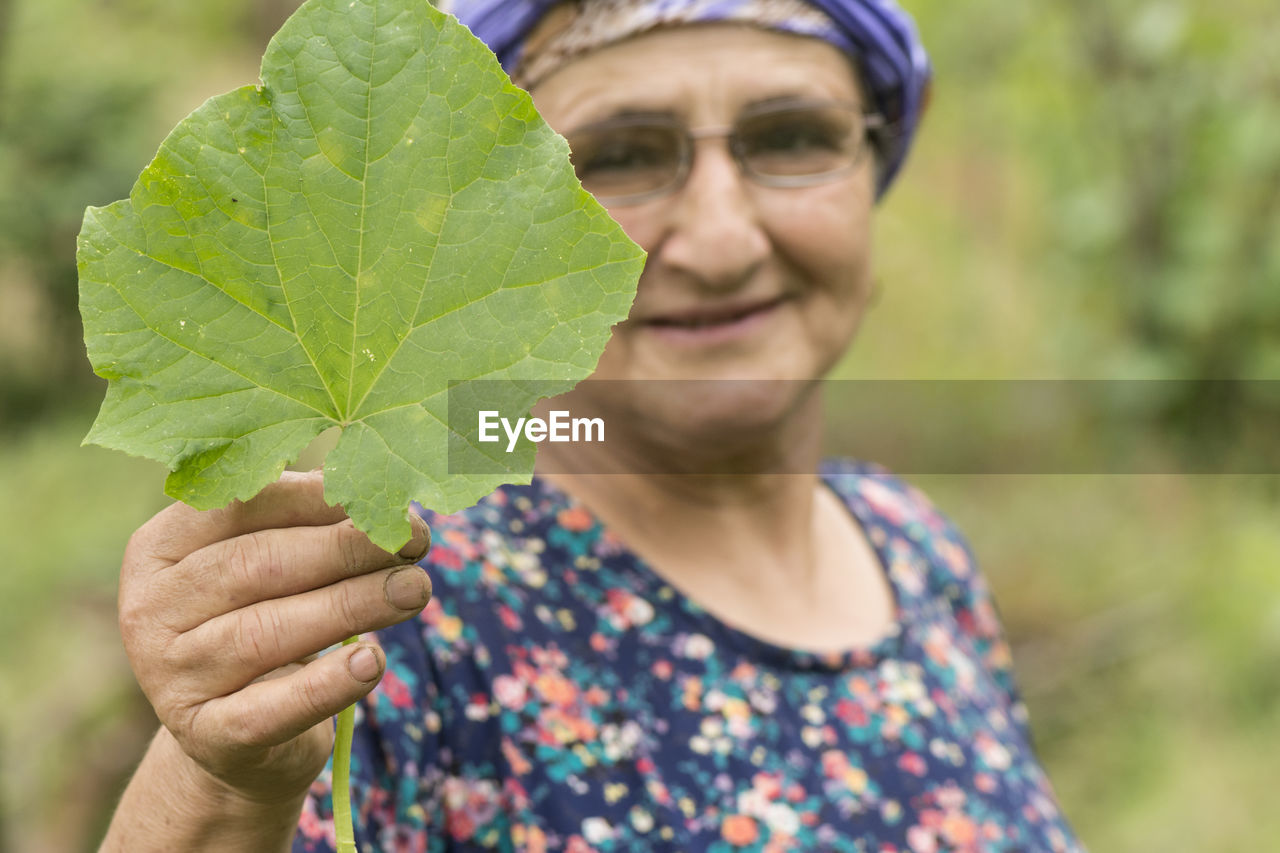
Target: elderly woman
pixel 671 641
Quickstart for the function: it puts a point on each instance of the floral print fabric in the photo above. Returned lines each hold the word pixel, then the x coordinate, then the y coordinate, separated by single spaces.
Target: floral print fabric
pixel 558 694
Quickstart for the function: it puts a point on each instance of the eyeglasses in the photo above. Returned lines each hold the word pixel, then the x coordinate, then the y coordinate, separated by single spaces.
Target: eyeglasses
pixel 635 158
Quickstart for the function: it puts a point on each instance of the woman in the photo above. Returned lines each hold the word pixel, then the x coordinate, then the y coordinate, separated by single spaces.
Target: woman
pixel 672 641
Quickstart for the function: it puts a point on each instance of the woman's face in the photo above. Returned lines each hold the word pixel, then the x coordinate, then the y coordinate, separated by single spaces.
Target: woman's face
pixel 742 281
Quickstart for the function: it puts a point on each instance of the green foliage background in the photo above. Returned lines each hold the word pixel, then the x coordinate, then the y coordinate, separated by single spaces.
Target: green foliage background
pixel 1094 195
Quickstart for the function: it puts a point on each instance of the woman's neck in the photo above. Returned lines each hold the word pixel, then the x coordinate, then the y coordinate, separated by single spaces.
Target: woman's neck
pixel 766 548
pixel 751 506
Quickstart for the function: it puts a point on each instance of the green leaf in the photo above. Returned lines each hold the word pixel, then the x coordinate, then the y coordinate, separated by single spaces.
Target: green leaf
pixel 385 215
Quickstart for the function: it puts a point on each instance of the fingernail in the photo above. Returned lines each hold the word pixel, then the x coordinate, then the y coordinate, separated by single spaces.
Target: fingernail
pixel 363 664
pixel 408 589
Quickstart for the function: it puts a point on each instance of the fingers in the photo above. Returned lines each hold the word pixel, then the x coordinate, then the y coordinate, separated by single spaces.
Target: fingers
pixel 222 613
pixel 268 564
pixel 295 500
pixel 273 711
pixel 222 655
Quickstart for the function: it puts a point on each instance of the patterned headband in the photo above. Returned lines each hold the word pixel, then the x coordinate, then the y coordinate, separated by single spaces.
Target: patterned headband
pixel 878 34
pixel 581 27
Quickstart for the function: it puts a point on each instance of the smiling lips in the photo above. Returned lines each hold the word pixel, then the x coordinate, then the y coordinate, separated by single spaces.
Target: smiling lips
pixel 703 317
pixel 713 324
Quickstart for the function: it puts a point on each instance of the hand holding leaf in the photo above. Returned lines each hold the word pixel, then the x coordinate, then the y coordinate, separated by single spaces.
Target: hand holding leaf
pixel 386 214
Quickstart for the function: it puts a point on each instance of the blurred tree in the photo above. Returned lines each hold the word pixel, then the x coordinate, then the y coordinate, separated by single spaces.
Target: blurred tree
pixel 51 160
pixel 1121 162
pixel 6 22
pixel 87 91
pixel 1172 208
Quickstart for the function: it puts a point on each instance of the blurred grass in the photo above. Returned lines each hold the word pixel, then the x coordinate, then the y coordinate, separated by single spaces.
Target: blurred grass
pixel 69 511
pixel 1145 611
pixel 71 721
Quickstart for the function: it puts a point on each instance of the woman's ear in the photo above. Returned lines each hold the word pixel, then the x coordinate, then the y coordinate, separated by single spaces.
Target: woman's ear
pixel 926 97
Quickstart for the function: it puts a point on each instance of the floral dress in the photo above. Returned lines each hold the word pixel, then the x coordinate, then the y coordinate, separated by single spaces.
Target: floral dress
pixel 558 694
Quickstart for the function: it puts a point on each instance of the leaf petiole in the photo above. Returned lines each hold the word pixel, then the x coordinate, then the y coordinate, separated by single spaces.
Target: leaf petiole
pixel 342 824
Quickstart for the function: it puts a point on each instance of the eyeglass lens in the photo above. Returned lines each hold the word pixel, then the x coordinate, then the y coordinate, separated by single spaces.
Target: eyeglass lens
pixel 633 157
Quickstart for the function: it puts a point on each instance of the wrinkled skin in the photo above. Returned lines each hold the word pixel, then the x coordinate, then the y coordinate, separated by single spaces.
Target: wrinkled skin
pixel 223 613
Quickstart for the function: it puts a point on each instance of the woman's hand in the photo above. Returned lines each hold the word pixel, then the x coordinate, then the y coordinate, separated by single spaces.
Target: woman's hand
pixel 222 615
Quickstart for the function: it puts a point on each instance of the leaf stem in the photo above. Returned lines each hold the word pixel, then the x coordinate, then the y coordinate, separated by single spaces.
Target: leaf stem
pixel 342 826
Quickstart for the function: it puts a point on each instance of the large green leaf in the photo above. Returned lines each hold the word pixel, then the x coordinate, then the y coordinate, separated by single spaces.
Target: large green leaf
pixel 386 214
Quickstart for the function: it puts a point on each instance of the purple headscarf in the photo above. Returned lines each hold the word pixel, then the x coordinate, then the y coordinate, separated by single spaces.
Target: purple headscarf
pixel 878 34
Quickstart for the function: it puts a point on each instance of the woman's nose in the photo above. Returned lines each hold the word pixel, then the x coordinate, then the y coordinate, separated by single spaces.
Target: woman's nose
pixel 714 231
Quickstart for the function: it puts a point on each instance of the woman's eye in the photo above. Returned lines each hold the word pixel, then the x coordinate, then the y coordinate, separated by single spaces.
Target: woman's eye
pixel 796 136
pixel 622 156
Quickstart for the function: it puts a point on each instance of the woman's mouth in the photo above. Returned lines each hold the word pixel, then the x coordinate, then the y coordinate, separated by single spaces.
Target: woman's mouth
pixel 712 324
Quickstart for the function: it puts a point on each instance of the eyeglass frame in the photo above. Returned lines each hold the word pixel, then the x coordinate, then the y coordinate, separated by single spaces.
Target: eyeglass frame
pixel 873 125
